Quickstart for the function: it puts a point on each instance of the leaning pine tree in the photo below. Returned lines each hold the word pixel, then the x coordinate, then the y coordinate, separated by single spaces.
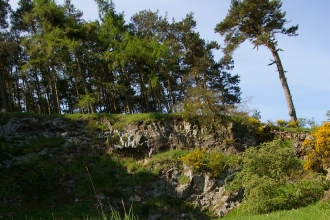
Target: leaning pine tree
pixel 258 21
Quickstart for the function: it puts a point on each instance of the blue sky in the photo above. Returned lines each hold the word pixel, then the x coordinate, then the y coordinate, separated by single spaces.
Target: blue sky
pixel 306 58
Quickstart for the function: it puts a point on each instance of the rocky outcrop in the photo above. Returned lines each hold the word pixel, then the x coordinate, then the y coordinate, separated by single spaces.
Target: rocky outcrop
pixel 142 140
pixel 204 192
pixel 298 139
pixel 138 139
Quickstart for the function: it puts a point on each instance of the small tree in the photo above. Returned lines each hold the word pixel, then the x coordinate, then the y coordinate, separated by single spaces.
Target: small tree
pixel 259 21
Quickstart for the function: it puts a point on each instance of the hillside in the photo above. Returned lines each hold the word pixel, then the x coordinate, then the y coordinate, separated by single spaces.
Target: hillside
pixel 161 166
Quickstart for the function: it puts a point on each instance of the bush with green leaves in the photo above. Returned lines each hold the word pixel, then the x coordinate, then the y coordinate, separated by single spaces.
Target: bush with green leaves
pixel 271 176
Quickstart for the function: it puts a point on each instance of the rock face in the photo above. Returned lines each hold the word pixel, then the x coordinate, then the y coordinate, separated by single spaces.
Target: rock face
pixel 298 138
pixel 205 193
pixel 142 140
pixel 138 139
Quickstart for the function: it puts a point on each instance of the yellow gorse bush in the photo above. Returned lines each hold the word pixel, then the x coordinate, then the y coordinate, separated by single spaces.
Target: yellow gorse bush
pixel 318 157
pixel 195 159
pixel 201 161
pixel 255 126
pixel 281 123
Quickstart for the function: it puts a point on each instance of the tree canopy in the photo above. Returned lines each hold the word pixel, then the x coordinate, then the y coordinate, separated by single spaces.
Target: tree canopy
pixel 55 62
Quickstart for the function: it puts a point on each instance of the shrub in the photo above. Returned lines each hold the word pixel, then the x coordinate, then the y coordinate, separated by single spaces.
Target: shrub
pixel 212 163
pixel 215 164
pixel 318 157
pixel 293 124
pixel 195 159
pixel 255 126
pixel 271 178
pixel 281 123
pixel 264 194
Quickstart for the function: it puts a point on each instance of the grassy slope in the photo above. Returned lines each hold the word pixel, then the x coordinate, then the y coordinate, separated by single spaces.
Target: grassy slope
pixel 127 167
pixel 318 211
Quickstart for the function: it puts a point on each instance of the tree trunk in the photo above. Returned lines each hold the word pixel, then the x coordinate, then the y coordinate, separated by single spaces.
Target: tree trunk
pixel 128 100
pixel 83 79
pixel 3 88
pixel 38 92
pixel 288 96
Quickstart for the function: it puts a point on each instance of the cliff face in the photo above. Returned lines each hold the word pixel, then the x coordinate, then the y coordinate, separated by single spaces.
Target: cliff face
pixel 141 141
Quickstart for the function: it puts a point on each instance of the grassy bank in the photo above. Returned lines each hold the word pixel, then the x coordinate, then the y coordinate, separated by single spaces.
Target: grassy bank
pixel 318 211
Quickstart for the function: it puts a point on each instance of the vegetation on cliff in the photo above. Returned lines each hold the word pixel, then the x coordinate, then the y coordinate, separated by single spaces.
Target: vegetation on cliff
pixel 45 176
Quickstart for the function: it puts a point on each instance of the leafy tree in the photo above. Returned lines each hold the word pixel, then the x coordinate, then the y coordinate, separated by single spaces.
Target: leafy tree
pixel 258 21
pixel 55 62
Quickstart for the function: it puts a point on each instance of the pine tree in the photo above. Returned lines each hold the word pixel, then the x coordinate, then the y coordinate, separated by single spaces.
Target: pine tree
pixel 258 21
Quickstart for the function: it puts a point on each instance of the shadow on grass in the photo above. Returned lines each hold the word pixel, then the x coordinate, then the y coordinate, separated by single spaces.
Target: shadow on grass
pixel 47 187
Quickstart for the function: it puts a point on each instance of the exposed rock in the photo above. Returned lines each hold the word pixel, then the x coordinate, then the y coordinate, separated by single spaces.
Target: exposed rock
pixel 141 140
pixel 155 216
pixel 328 174
pixel 137 139
pixel 326 196
pixel 183 191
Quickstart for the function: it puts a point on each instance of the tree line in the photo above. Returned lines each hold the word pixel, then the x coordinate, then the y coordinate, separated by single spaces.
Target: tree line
pixel 55 62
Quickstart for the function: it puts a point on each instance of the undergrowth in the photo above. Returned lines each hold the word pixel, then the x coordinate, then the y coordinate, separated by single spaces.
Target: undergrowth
pixel 319 211
pixel 212 163
pixel 273 179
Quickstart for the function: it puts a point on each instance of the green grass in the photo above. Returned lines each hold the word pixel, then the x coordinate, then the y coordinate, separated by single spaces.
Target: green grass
pixel 298 129
pixel 164 204
pixel 67 211
pixel 166 160
pixel 183 179
pixel 39 190
pixel 35 145
pixel 124 120
pixel 5 116
pixel 119 121
pixel 318 211
pixel 52 145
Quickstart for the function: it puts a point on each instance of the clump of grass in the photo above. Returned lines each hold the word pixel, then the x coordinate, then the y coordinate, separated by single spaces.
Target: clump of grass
pixel 166 160
pixel 183 179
